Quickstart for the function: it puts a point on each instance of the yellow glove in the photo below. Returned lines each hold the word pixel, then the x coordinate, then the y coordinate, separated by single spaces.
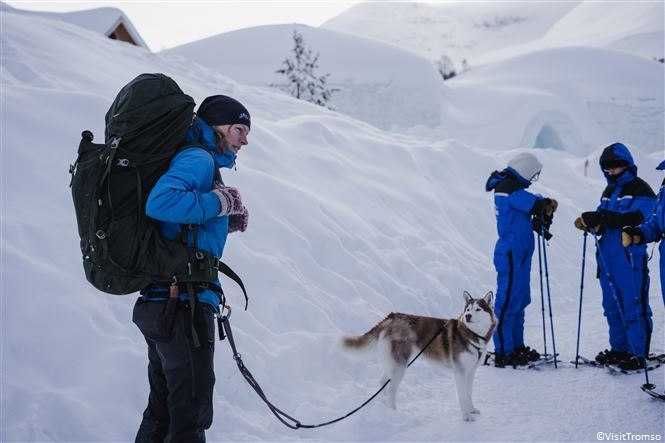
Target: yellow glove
pixel 589 220
pixel 631 235
pixel 579 224
pixel 626 239
pixel 550 206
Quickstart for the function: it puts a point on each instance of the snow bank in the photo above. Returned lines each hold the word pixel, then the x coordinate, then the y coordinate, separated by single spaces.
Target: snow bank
pixel 572 99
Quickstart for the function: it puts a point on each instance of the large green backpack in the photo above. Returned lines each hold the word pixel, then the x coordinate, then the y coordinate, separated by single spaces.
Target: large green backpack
pixel 121 247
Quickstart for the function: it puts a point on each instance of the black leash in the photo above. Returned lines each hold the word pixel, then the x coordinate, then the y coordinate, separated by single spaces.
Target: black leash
pixel 286 419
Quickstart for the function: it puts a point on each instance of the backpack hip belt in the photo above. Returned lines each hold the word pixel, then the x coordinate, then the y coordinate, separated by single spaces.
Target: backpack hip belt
pixel 202 267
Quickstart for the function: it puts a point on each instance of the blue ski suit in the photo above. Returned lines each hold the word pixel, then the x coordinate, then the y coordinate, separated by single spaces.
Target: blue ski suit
pixel 654 229
pixel 514 207
pixel 624 276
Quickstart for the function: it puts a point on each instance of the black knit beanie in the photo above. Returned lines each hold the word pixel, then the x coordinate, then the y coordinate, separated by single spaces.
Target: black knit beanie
pixel 223 110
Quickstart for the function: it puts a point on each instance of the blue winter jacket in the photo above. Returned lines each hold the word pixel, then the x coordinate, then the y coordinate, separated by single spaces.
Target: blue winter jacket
pixel 183 195
pixel 654 228
pixel 514 206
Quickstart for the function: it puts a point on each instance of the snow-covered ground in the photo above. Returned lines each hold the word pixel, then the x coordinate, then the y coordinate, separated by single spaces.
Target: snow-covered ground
pixel 348 223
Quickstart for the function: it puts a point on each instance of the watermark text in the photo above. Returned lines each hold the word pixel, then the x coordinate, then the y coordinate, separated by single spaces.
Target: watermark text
pixel 627 436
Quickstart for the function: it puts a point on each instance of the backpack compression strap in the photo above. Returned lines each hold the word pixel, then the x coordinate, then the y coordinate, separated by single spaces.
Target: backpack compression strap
pixel 224 269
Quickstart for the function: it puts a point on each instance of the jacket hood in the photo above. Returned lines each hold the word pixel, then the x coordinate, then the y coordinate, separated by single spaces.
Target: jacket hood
pixel 201 133
pixel 497 177
pixel 617 154
pixel 494 179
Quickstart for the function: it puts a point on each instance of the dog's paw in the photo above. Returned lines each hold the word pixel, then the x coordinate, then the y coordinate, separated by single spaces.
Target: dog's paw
pixel 468 417
pixel 475 411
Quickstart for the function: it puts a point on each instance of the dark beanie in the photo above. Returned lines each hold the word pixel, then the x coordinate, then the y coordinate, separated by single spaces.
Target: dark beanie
pixel 223 110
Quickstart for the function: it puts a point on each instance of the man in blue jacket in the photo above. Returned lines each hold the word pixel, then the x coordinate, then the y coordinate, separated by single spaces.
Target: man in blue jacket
pixel 651 230
pixel 624 276
pixel 518 212
pixel 193 205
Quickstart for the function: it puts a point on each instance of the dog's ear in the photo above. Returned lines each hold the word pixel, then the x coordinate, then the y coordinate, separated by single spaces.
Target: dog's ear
pixel 489 299
pixel 467 297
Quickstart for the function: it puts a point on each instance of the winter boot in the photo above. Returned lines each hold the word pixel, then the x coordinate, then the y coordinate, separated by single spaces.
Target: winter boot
pixel 499 360
pixel 528 353
pixel 631 363
pixel 611 357
pixel 517 359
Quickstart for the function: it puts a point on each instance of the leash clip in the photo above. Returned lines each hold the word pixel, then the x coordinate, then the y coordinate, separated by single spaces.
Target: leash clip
pixel 221 319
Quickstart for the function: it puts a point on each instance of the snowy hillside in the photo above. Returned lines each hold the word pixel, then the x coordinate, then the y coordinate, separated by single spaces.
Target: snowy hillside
pixel 637 28
pixel 566 98
pixel 371 86
pixel 348 223
pixel 482 31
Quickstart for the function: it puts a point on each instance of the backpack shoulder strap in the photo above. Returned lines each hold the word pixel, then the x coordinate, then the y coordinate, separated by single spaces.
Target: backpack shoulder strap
pixel 221 266
pixel 188 144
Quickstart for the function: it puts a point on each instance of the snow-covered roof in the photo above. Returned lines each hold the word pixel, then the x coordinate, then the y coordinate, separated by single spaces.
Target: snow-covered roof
pixel 111 22
pixel 105 20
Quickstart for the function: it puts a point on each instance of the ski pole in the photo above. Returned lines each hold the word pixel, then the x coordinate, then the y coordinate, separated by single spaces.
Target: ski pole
pixel 579 312
pixel 647 328
pixel 549 298
pixel 610 280
pixel 542 297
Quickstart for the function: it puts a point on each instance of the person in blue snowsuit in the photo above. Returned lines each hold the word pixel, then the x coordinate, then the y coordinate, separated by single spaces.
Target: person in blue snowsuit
pixel 652 230
pixel 624 276
pixel 191 204
pixel 518 213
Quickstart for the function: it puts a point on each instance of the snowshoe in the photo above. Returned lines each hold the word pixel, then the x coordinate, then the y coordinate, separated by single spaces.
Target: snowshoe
pixel 635 364
pixel 651 390
pixel 514 360
pixel 587 361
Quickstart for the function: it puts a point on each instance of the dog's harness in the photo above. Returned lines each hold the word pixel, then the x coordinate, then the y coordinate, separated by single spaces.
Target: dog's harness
pixel 480 350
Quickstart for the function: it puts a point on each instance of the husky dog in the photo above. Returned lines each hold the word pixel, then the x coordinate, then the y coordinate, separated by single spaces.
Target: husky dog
pixel 459 344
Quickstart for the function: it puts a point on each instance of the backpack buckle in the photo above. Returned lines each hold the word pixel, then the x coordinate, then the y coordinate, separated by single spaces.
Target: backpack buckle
pixel 115 142
pixel 100 234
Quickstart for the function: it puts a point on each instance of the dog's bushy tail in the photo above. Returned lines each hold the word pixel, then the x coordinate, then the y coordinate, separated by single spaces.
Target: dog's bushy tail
pixel 359 342
pixel 365 342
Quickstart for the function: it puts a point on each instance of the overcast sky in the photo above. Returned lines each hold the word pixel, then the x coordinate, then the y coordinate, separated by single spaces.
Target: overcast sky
pixel 164 24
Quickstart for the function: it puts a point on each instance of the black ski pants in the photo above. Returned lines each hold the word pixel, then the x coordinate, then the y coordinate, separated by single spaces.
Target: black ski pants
pixel 181 377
